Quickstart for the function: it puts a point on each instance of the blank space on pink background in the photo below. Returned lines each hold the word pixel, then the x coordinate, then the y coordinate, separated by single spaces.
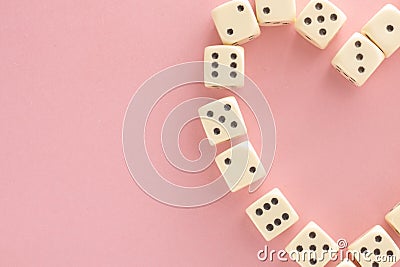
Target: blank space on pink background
pixel 68 70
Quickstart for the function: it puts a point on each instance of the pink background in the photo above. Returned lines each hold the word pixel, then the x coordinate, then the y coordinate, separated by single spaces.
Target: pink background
pixel 68 70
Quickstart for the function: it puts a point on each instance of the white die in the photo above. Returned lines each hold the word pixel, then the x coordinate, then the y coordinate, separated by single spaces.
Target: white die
pixel 312 247
pixel 235 22
pixel 393 218
pixel 272 214
pixel 384 29
pixel 222 120
pixel 358 59
pixel 275 12
pixel 240 166
pixel 319 22
pixel 224 66
pixel 371 248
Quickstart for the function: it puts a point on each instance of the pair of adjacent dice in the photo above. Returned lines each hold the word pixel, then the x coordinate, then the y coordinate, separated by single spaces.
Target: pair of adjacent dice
pixel 272 214
pixel 240 165
pixel 376 248
pixel 224 64
pixel 313 247
pixel 363 53
pixel 237 24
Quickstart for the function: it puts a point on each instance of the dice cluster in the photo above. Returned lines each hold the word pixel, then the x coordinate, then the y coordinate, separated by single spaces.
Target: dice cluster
pixel 319 22
pixel 222 119
pixel 272 214
pixel 362 54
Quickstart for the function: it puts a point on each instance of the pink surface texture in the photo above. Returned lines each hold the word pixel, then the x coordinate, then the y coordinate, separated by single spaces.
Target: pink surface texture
pixel 68 71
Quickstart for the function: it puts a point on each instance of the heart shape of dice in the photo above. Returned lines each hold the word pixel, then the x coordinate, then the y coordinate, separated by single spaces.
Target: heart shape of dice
pixel 222 120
